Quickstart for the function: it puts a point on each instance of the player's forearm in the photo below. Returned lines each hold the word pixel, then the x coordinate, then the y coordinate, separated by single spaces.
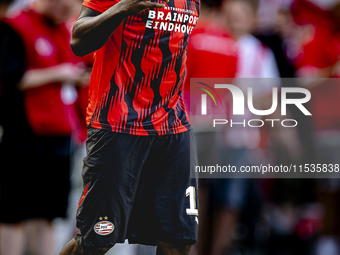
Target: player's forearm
pixel 91 33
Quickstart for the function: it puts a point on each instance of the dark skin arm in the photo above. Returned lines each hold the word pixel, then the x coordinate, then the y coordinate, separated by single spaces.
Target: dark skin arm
pixel 92 29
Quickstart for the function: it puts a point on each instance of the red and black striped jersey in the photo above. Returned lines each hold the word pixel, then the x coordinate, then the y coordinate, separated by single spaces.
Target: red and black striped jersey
pixel 137 78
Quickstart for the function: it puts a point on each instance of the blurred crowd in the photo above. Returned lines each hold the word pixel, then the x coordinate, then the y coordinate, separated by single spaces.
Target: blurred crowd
pixel 43 99
pixel 269 39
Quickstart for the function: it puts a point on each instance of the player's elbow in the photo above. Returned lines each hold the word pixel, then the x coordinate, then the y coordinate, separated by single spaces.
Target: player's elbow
pixel 76 47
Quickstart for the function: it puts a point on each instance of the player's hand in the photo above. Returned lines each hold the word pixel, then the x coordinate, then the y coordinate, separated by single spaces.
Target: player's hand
pixel 132 7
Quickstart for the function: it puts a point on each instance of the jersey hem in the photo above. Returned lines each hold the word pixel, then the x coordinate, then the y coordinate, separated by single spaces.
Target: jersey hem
pixel 182 129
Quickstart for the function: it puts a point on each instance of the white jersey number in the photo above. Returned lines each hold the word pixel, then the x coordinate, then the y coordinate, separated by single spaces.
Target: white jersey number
pixel 192 199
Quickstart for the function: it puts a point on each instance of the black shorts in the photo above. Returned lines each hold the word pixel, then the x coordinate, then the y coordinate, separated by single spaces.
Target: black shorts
pixel 138 188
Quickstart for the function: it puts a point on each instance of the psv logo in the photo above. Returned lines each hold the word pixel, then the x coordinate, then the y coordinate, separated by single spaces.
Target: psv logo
pixel 104 228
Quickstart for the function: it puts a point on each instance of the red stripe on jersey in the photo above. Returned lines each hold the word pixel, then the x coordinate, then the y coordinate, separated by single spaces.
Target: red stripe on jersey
pixel 83 196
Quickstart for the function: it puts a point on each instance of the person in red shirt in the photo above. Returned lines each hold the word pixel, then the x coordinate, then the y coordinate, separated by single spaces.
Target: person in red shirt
pixel 136 175
pixel 319 58
pixel 38 74
pixel 212 53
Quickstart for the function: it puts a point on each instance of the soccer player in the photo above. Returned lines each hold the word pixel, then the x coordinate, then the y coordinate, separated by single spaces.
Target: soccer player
pixel 136 174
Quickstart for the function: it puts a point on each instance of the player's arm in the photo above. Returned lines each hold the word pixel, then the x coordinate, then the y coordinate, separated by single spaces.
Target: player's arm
pixel 92 29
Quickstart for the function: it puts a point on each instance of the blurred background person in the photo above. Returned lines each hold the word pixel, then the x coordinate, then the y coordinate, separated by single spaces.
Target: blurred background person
pixel 318 57
pixel 245 145
pixel 11 144
pixel 38 78
pixel 212 53
pixel 255 59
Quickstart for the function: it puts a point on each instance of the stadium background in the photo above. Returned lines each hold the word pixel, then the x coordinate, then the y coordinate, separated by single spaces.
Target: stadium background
pixel 297 38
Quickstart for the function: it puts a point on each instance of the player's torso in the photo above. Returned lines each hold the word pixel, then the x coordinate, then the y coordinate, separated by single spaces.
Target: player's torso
pixel 177 19
pixel 144 61
pixel 158 36
pixel 164 31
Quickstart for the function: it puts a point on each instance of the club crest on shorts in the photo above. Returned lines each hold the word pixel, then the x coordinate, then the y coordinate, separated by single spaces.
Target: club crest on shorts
pixel 104 228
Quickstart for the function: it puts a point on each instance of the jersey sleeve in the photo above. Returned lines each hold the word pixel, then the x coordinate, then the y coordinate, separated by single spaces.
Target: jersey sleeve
pixel 99 5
